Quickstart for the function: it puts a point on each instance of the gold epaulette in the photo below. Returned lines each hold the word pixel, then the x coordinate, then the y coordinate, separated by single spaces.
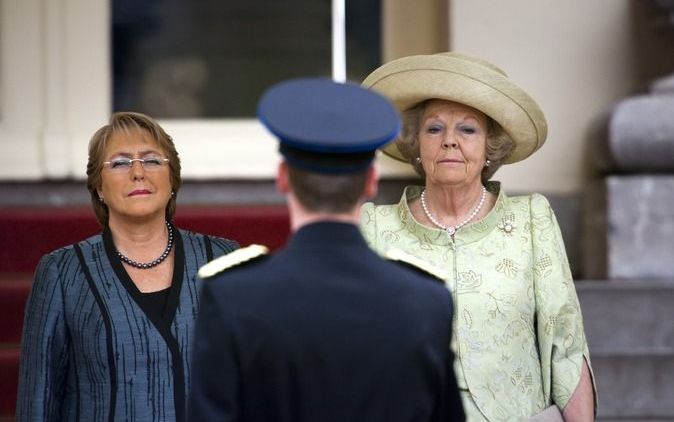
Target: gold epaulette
pixel 232 259
pixel 413 261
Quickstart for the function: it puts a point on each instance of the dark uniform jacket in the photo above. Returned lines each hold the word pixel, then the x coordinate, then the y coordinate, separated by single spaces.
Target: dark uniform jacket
pixel 324 330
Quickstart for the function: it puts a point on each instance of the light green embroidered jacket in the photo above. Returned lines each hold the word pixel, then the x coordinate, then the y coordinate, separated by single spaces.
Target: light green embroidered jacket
pixel 519 337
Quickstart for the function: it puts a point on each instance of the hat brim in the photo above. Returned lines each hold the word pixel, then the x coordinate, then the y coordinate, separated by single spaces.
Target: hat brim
pixel 472 82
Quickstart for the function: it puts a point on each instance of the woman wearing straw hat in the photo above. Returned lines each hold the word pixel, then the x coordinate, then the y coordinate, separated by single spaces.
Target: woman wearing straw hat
pixel 519 335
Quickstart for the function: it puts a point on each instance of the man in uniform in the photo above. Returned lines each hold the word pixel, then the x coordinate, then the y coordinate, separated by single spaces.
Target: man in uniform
pixel 324 329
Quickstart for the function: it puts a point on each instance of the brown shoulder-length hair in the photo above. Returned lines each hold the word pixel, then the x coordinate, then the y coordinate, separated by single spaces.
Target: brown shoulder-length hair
pixel 125 122
pixel 499 143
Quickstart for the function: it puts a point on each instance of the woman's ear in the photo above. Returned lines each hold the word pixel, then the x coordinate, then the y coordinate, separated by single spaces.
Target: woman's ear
pixel 371 182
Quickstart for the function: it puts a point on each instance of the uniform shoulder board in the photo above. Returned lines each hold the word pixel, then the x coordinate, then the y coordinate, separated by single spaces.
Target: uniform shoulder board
pixel 415 263
pixel 232 259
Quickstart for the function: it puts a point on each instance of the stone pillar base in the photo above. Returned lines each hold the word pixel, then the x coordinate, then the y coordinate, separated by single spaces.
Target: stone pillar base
pixel 628 228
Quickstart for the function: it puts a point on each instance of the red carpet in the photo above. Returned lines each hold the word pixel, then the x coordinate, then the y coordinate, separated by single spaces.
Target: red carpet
pixel 27 234
pixel 13 294
pixel 9 365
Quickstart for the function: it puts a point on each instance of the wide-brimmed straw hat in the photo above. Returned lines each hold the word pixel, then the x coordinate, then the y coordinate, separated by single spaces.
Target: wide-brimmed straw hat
pixel 467 80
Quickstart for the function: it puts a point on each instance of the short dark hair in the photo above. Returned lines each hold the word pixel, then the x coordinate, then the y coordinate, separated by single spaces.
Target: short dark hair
pixel 331 193
pixel 126 122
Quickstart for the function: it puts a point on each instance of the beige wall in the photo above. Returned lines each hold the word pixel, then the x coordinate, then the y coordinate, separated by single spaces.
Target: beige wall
pixel 413 27
pixel 575 57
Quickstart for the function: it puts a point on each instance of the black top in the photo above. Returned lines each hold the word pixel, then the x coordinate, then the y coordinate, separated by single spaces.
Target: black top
pixel 154 303
pixel 324 330
pixel 163 319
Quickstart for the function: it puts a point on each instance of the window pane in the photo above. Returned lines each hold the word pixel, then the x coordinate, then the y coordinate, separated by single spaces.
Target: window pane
pixel 214 58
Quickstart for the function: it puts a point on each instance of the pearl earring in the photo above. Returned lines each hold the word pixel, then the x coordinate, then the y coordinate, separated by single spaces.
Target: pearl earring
pixel 418 160
pixel 486 163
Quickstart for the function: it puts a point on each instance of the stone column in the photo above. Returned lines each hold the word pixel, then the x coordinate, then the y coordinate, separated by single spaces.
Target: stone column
pixel 628 223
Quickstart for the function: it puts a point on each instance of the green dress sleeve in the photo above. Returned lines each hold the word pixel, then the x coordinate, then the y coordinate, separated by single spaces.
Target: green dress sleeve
pixel 559 323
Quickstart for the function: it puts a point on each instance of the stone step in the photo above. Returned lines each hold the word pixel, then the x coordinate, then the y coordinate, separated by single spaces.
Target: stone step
pixel 628 317
pixel 71 193
pixel 635 386
pixel 600 419
pixel 630 330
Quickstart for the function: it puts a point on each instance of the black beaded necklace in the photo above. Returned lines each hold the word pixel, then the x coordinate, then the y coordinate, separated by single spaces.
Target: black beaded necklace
pixel 151 264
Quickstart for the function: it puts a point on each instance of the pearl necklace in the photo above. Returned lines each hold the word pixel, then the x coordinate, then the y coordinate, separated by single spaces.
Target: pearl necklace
pixel 151 264
pixel 452 229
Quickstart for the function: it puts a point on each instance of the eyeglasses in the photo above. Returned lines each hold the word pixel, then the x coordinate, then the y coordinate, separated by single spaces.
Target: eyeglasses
pixel 121 165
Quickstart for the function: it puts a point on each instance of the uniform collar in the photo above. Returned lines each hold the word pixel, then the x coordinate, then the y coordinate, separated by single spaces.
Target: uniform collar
pixel 327 233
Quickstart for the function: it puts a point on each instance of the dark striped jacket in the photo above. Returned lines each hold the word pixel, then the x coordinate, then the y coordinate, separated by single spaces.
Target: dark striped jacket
pixel 89 350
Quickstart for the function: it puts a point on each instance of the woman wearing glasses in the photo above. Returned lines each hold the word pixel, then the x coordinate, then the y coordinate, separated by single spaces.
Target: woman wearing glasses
pixel 108 326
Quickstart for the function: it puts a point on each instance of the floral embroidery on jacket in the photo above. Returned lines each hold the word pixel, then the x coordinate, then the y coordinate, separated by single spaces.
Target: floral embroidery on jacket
pixel 514 300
